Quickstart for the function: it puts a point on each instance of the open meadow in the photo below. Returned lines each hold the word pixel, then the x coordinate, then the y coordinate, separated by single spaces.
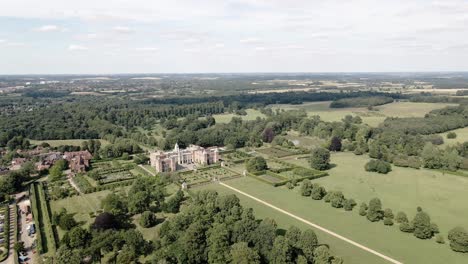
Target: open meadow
pixel 462 136
pixel 370 117
pixel 384 239
pixel 252 114
pixel 442 195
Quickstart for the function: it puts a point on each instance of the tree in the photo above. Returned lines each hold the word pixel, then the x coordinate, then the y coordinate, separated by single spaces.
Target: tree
pixel 306 187
pixel 320 159
pixel 67 222
pixel 374 212
pixel 321 255
pixel 318 192
pixel 401 218
pixel 293 235
pixel 388 221
pixel 268 135
pixel 76 238
pixel 56 171
pixel 308 242
pixel 379 166
pixel 256 164
pixel 422 225
pixel 263 237
pixel 138 202
pixel 218 244
pixel 19 246
pixel 282 252
pixel 363 209
pixel 114 204
pixel 65 255
pixel 337 199
pixel 242 254
pixel 388 213
pixel 335 144
pixel 451 135
pixel 173 204
pixel 458 237
pixel 148 219
pixel 406 227
pixel 349 204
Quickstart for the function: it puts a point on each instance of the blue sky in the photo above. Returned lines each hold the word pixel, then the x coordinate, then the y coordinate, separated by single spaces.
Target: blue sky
pixel 140 36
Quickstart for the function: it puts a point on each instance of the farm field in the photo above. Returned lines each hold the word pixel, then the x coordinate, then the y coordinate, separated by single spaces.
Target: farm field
pixel 70 142
pixel 462 136
pixel 252 114
pixel 372 118
pixel 403 189
pixel 386 240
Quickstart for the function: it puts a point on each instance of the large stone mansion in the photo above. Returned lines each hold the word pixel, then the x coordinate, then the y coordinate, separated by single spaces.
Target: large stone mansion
pixel 180 158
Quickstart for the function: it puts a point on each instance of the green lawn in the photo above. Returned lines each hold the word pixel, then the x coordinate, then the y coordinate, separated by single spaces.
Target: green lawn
pixel 387 240
pixel 462 136
pixel 443 196
pixel 71 142
pixel 372 118
pixel 252 114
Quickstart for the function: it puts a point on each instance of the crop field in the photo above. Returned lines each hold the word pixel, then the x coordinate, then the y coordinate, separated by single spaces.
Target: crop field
pixel 252 114
pixel 372 118
pixel 462 136
pixel 70 142
pixel 387 240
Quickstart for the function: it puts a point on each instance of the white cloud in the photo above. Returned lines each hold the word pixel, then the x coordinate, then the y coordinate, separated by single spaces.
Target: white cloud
pixel 249 40
pixel 49 28
pixel 15 44
pixel 122 30
pixel 219 45
pixel 77 48
pixel 148 49
pixel 2 41
pixel 191 40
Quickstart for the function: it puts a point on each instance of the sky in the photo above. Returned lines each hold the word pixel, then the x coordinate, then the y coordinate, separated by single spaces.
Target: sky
pixel 199 36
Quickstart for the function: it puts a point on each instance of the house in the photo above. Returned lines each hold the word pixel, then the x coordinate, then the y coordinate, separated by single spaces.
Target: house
pixel 48 160
pixel 16 163
pixel 173 160
pixel 78 161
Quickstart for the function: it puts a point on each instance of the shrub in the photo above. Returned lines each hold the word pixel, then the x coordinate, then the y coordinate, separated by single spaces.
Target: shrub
pixel 401 218
pixel 327 197
pixel 363 209
pixel 289 185
pixel 349 204
pixel 379 166
pixel 306 188
pixel 388 221
pixel 422 225
pixel 318 192
pixel 406 227
pixel 407 161
pixel 320 159
pixel 374 212
pixel 256 164
pixel 148 219
pixel 452 135
pixel 388 213
pixel 458 239
pixel 337 199
pixel 440 239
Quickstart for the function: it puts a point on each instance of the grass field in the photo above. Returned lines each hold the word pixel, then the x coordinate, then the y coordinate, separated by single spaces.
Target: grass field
pixel 70 142
pixel 81 205
pixel 462 136
pixel 387 240
pixel 252 114
pixel 442 195
pixel 372 118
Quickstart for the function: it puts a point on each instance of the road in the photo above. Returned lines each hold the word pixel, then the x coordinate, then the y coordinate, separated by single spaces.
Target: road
pixel 315 225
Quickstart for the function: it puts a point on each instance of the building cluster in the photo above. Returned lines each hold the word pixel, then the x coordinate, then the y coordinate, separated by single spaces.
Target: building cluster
pixel 78 161
pixel 178 159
